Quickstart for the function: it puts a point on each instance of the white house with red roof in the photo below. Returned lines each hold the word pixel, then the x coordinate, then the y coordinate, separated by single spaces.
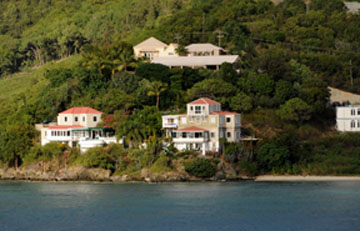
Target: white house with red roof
pixel 202 127
pixel 77 126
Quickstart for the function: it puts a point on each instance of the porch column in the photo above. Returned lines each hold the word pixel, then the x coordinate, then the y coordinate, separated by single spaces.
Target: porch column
pixel 203 149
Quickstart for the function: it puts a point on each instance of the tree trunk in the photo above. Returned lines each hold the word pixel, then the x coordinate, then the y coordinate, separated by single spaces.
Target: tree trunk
pixel 16 162
pixel 157 101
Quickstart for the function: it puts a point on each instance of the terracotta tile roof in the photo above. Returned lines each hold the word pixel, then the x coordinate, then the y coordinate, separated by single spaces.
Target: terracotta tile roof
pixel 224 113
pixel 81 110
pixel 192 129
pixel 64 127
pixel 205 101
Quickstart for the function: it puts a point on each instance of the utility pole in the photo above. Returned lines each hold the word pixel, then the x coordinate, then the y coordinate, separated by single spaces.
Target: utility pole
pixel 177 37
pixel 219 36
pixel 351 74
pixel 203 27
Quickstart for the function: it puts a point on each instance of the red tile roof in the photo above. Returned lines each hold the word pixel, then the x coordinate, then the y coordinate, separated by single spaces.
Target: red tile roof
pixel 205 101
pixel 191 129
pixel 64 127
pixel 81 110
pixel 224 113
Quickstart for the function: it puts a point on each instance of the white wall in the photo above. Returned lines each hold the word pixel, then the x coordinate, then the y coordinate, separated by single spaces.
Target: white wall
pixel 347 116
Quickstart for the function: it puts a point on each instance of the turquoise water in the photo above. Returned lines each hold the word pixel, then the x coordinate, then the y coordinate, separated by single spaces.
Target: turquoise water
pixel 180 206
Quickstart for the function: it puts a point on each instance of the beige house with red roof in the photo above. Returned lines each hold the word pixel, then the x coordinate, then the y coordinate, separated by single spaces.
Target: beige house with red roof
pixel 202 127
pixel 77 126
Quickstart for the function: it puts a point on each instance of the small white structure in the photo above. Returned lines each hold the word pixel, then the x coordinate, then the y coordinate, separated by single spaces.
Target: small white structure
pixel 348 118
pixel 77 126
pixel 202 127
pixel 208 62
pixel 153 47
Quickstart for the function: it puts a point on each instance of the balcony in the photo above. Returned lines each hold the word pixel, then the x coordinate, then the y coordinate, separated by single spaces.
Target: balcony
pixel 190 140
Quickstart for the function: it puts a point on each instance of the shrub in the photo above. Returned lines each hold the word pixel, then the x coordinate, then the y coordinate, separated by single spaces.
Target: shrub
pixel 200 168
pixel 161 165
pixel 248 168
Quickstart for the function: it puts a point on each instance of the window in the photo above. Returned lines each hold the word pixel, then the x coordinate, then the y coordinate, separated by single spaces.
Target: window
pixel 76 119
pixel 228 135
pixel 68 133
pixel 352 124
pixel 148 54
pixel 198 134
pixel 183 120
pixel 238 135
pixel 221 134
pixel 183 135
pixel 171 53
pixel 173 134
pixel 358 111
pixel 94 118
pixel 83 118
pixel 65 118
pixel 197 110
pixel 358 123
pixel 212 135
pixel 228 119
pixel 352 111
pixel 191 108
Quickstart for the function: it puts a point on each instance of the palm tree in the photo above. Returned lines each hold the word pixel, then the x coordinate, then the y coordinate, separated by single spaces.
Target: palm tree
pixel 181 50
pixel 156 88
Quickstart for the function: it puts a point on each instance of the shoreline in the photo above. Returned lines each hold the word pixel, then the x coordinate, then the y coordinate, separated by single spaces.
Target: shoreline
pixel 299 178
pixel 261 178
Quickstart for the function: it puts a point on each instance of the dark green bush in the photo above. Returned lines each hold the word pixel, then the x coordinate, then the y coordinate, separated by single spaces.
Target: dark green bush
pixel 200 168
pixel 248 168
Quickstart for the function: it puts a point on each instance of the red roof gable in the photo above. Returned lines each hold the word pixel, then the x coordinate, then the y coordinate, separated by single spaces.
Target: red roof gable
pixel 205 101
pixel 81 110
pixel 64 127
pixel 224 113
pixel 191 129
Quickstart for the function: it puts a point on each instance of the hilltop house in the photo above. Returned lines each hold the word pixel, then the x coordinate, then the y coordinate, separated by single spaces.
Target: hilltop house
pixel 153 47
pixel 202 127
pixel 77 126
pixel 348 118
pixel 199 55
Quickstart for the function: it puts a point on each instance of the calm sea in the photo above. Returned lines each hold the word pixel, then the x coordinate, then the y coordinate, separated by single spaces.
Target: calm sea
pixel 180 206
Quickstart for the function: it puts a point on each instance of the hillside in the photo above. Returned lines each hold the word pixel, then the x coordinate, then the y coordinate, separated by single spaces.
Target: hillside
pixel 59 54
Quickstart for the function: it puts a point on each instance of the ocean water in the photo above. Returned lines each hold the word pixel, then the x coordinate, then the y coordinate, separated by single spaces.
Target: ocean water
pixel 180 206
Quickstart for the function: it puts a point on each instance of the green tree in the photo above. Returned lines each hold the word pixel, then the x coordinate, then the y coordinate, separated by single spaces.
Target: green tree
pixel 155 89
pixel 295 110
pixel 241 102
pixel 15 142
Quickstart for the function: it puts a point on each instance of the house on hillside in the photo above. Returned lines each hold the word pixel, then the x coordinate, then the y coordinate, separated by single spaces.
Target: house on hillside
pixel 153 47
pixel 77 126
pixel 204 49
pixel 348 118
pixel 202 127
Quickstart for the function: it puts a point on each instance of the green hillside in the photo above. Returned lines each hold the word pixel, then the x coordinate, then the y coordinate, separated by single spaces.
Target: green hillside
pixel 58 54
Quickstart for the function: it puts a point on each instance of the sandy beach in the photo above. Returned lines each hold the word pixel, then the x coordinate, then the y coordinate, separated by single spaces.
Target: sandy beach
pixel 306 178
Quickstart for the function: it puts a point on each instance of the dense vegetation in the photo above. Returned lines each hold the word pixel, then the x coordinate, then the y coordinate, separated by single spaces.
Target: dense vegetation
pixel 289 54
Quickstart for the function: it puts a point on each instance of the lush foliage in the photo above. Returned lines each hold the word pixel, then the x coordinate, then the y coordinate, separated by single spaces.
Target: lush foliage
pixel 200 167
pixel 290 53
